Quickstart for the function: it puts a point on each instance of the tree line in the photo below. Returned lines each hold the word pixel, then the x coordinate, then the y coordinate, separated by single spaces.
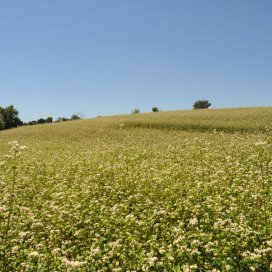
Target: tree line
pixel 9 118
pixel 51 120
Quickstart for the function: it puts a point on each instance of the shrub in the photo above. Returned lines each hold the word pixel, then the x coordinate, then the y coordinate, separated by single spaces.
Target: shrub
pixel 75 117
pixel 136 110
pixel 202 104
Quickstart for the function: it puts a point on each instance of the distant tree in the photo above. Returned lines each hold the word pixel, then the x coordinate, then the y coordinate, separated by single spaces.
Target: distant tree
pixel 41 121
pixel 61 119
pixel 136 110
pixel 2 125
pixel 32 123
pixel 49 120
pixel 10 117
pixel 80 114
pixel 75 117
pixel 155 109
pixel 202 104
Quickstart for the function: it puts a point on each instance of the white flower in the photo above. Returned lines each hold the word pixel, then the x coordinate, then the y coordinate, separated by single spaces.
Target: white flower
pixel 228 267
pixel 23 234
pixel 23 147
pixel 33 254
pixel 55 251
pixel 13 143
pixel 269 243
pixel 260 143
pixel 73 264
pixel 193 221
pixel 162 251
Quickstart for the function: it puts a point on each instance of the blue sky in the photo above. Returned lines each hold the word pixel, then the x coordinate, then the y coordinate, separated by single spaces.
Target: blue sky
pixel 103 57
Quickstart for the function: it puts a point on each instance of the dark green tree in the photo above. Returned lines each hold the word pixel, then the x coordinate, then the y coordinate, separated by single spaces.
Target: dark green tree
pixel 49 119
pixel 61 119
pixel 32 123
pixel 202 104
pixel 41 121
pixel 155 109
pixel 75 117
pixel 10 117
pixel 2 125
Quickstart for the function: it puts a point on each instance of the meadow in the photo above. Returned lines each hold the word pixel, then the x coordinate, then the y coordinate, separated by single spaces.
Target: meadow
pixel 168 191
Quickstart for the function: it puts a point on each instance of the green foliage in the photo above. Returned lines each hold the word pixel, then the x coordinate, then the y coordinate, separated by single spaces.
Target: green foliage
pixel 62 119
pixel 2 124
pixel 10 117
pixel 49 119
pixel 202 104
pixel 31 123
pixel 75 117
pixel 155 109
pixel 39 121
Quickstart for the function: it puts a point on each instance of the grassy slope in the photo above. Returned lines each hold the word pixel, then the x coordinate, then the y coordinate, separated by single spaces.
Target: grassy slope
pixel 230 120
pixel 114 196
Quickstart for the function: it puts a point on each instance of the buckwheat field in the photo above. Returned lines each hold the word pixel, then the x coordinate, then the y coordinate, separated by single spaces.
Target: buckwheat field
pixel 167 191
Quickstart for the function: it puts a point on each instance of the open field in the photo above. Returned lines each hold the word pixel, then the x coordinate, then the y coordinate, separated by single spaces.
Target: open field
pixel 169 191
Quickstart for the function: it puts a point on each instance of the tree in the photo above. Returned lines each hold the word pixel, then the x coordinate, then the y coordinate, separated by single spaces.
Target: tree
pixel 136 110
pixel 2 125
pixel 32 123
pixel 49 119
pixel 202 104
pixel 61 119
pixel 41 121
pixel 10 117
pixel 75 117
pixel 155 109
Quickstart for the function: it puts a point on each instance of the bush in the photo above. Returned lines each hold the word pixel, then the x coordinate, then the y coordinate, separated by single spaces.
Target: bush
pixel 202 104
pixel 155 109
pixel 136 110
pixel 49 119
pixel 75 117
pixel 62 119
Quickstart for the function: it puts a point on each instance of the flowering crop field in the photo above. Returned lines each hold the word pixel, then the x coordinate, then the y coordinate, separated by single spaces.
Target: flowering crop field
pixel 169 191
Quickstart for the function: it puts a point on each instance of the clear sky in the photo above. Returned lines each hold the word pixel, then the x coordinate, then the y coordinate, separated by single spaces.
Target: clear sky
pixel 103 57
